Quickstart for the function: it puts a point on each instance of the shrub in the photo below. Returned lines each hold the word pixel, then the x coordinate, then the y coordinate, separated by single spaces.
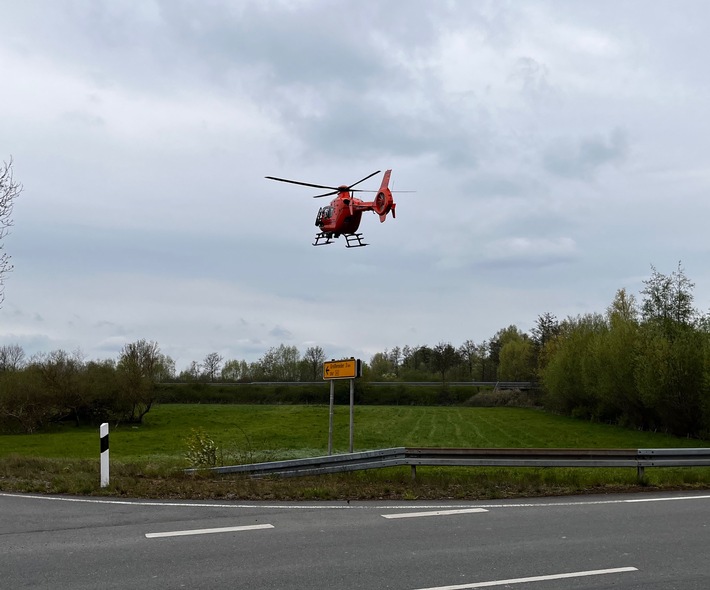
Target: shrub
pixel 201 449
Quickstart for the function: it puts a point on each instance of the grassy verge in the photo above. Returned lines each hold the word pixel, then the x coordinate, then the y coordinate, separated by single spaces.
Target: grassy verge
pixel 147 461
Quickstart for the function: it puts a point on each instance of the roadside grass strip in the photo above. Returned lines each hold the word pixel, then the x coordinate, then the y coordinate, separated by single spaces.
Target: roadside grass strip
pixel 433 513
pixel 230 529
pixel 618 570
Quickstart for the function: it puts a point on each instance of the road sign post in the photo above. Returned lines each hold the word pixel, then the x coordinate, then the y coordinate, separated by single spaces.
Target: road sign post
pixel 330 418
pixel 342 369
pixel 352 413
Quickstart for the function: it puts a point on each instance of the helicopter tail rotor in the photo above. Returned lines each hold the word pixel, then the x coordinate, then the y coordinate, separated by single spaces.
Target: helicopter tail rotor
pixel 384 203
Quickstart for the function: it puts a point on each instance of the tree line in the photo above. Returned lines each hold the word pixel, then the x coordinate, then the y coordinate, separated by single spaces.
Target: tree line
pixel 642 365
pixel 60 387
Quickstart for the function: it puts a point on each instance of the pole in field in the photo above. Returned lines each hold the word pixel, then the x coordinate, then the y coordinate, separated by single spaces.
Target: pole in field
pixel 352 415
pixel 343 369
pixel 103 433
pixel 330 418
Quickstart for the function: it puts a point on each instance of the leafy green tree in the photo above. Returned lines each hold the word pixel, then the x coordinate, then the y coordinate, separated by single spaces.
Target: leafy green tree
pixel 407 356
pixel 545 329
pixel 483 354
pixel 616 354
pixel 380 367
pixel 563 377
pixel 468 351
pixel 395 358
pixel 623 309
pixel 192 373
pixel 236 370
pixel 140 365
pixel 668 300
pixel 496 343
pixel 415 363
pixel 670 377
pixel 444 357
pixel 671 372
pixel 512 352
pixel 279 364
pixel 516 361
pixel 25 404
pixel 313 360
pixel 63 380
pixel 103 391
pixel 166 369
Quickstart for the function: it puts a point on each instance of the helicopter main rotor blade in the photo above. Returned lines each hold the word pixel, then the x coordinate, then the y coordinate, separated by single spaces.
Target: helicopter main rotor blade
pixel 335 192
pixel 364 190
pixel 301 183
pixel 364 179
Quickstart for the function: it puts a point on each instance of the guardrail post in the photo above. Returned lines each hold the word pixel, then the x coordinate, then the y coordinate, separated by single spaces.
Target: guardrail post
pixel 414 473
pixel 639 473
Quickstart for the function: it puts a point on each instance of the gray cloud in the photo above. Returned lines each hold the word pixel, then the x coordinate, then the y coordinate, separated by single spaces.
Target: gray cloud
pixel 584 157
pixel 142 133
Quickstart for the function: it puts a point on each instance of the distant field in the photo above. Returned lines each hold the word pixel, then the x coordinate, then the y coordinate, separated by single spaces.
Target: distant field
pixel 261 431
pixel 148 460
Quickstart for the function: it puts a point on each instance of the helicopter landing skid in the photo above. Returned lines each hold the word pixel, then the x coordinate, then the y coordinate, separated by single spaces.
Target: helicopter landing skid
pixel 354 241
pixel 351 240
pixel 323 238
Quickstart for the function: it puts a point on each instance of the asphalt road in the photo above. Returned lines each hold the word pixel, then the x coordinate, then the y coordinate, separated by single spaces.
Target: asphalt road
pixel 647 541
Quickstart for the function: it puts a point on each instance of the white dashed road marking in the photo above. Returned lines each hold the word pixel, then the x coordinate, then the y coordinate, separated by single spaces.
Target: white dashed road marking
pixel 229 529
pixel 433 513
pixel 618 570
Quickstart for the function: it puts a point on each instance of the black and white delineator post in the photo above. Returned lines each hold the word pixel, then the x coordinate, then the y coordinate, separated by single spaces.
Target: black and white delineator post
pixel 103 433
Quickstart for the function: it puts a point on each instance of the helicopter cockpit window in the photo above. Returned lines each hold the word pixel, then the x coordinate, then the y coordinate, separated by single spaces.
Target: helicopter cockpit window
pixel 323 214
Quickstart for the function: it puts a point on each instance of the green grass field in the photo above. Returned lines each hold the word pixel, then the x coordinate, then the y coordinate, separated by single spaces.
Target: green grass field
pixel 288 431
pixel 147 459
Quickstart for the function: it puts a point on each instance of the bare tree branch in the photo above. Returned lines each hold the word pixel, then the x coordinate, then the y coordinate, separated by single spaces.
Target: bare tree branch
pixel 9 191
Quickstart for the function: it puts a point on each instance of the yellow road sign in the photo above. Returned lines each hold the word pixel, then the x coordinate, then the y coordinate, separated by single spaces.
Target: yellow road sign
pixel 345 369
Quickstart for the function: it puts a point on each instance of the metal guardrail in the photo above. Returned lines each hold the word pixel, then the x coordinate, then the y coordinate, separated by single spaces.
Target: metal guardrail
pixel 494 384
pixel 459 457
pixel 319 465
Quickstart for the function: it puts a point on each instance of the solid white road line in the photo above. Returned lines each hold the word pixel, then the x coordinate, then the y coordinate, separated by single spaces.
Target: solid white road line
pixel 229 529
pixel 637 500
pixel 618 570
pixel 433 513
pixel 148 503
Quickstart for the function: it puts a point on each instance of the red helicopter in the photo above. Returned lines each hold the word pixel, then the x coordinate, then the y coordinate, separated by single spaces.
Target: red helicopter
pixel 342 216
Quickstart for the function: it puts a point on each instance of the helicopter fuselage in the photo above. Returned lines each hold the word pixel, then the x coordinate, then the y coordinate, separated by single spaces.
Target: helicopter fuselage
pixel 342 216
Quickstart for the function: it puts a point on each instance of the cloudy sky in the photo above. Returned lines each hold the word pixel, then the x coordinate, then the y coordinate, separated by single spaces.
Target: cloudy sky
pixel 557 150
